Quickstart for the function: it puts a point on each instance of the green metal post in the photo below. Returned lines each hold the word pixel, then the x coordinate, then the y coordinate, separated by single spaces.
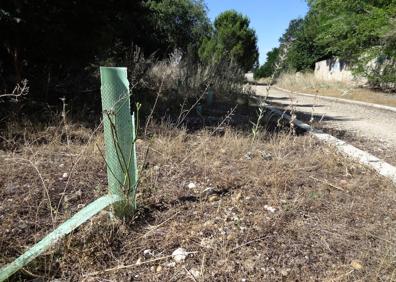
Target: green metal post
pixel 119 135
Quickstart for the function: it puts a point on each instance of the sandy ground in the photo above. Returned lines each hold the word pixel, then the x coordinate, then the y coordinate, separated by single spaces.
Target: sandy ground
pixel 368 128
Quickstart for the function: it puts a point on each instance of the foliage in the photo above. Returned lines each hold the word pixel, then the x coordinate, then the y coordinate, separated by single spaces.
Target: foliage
pixel 378 64
pixel 268 68
pixel 299 46
pixel 180 24
pixel 292 31
pixel 58 45
pixel 359 32
pixel 232 38
pixel 349 28
pixel 303 51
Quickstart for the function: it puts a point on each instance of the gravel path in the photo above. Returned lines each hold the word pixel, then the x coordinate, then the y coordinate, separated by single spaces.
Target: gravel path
pixel 367 128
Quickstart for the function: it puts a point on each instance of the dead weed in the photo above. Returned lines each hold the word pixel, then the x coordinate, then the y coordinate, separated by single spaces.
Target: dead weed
pixel 282 208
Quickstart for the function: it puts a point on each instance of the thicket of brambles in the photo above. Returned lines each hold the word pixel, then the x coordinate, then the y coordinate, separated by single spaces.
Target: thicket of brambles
pixel 57 46
pixel 360 32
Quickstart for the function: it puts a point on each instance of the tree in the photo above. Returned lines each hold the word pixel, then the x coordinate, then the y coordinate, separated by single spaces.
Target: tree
pixel 180 24
pixel 51 43
pixel 349 28
pixel 232 39
pixel 302 50
pixel 292 31
pixel 57 45
pixel 359 32
pixel 268 68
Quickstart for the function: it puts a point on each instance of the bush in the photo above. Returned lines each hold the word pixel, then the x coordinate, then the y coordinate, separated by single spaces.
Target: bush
pixel 179 81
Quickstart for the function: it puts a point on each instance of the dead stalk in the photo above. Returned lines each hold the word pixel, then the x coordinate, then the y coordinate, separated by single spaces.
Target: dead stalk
pixel 42 182
pixel 79 157
pixel 121 267
pixel 154 106
pixel 19 91
pixel 327 183
pixel 184 114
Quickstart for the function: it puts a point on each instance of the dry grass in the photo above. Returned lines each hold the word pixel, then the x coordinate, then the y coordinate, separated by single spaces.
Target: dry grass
pixel 307 83
pixel 264 80
pixel 181 76
pixel 334 220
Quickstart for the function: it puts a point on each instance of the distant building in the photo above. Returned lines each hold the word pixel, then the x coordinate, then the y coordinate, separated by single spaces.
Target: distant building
pixel 336 70
pixel 333 70
pixel 249 77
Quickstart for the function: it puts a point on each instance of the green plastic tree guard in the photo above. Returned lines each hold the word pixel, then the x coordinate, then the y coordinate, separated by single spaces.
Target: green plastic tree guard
pixel 53 237
pixel 119 135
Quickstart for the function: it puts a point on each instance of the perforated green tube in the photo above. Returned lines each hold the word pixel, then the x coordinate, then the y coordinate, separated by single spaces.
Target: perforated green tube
pixel 119 135
pixel 53 237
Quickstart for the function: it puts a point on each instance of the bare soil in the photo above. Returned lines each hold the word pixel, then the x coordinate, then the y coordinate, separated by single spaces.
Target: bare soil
pixel 279 208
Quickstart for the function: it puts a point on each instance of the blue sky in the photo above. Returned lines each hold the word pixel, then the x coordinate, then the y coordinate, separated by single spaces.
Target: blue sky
pixel 269 18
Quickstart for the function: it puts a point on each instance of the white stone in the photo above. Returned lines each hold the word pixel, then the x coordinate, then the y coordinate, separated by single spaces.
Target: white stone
pixel 179 255
pixel 192 185
pixel 171 264
pixel 269 208
pixel 195 272
pixel 148 253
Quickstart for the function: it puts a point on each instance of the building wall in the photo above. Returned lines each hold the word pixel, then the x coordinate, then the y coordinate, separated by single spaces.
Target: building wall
pixel 333 70
pixel 249 77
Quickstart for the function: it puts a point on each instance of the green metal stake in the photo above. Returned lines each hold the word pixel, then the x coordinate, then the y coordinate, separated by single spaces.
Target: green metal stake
pixel 119 135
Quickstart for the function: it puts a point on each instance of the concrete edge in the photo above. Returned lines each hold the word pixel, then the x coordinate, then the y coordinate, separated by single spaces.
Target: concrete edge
pixel 381 107
pixel 383 168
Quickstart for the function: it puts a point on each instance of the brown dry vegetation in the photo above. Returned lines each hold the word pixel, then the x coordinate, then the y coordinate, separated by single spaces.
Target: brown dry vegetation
pixel 307 83
pixel 334 220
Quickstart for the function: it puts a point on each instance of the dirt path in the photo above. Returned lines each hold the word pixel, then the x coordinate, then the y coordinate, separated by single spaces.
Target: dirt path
pixel 368 128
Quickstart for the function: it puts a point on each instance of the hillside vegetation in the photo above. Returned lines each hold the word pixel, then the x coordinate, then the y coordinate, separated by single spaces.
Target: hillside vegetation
pixel 57 46
pixel 360 32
